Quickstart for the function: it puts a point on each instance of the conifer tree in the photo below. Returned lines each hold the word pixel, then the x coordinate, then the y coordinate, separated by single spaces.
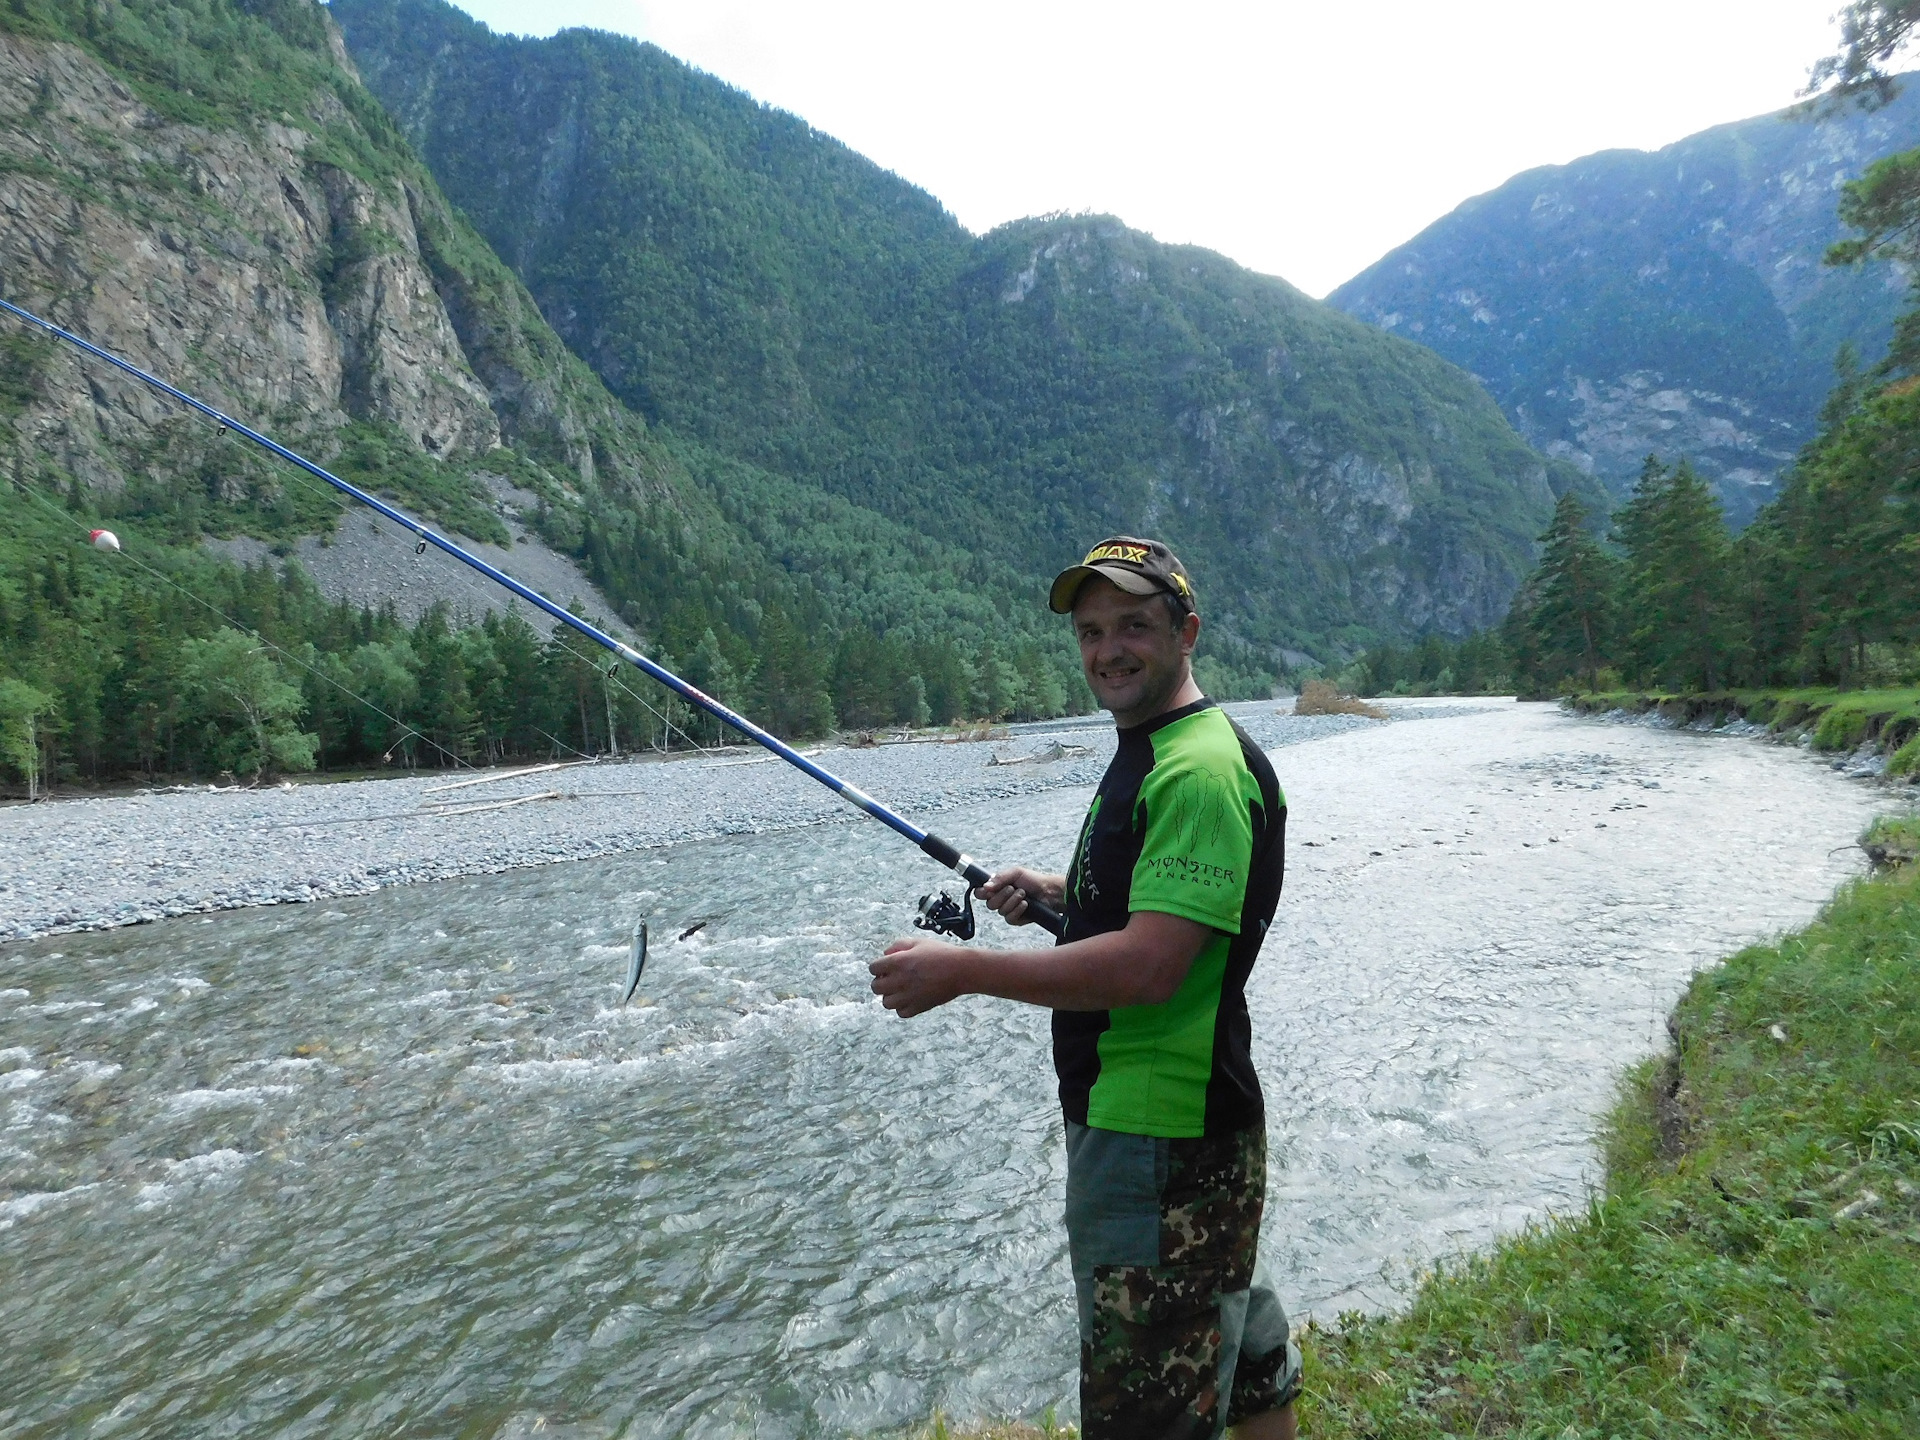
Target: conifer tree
pixel 1571 614
pixel 791 684
pixel 1677 593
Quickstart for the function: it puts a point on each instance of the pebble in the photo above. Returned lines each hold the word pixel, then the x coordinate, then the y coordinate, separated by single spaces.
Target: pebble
pixel 92 864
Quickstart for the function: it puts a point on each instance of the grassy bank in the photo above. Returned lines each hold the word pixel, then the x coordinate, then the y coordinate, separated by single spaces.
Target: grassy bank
pixel 1753 1268
pixel 1831 720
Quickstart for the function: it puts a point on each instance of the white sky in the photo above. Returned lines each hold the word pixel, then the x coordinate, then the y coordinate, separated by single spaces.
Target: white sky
pixel 1301 139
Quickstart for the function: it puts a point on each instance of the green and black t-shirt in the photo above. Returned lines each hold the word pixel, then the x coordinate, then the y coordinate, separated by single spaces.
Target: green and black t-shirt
pixel 1188 820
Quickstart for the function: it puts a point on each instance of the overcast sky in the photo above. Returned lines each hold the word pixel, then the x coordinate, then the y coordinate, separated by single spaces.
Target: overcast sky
pixel 1302 139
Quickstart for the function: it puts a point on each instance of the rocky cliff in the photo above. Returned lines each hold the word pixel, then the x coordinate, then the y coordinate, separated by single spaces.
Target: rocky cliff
pixel 283 256
pixel 1671 303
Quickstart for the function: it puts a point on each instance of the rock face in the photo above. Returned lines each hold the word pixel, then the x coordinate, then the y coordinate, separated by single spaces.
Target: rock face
pixel 275 285
pixel 301 276
pixel 1671 303
pixel 1320 477
pixel 400 359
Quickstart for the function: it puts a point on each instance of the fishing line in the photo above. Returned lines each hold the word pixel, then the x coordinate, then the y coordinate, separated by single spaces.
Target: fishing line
pixel 933 915
pixel 621 686
pixel 563 744
pixel 407 731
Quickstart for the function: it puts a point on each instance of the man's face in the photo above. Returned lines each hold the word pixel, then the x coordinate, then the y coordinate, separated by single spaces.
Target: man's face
pixel 1134 658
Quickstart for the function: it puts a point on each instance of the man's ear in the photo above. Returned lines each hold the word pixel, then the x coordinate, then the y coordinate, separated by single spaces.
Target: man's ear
pixel 1189 633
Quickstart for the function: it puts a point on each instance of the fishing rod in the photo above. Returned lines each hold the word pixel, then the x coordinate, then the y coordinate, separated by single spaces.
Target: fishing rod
pixel 939 913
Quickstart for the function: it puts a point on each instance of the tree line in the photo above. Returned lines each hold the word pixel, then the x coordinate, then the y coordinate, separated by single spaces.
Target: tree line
pixel 1822 589
pixel 109 672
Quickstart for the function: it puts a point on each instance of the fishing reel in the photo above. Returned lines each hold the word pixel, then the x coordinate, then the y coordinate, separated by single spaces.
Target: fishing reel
pixel 941 915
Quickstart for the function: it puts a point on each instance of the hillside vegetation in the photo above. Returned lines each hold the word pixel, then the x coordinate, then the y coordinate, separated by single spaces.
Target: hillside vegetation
pixel 206 187
pixel 818 445
pixel 751 284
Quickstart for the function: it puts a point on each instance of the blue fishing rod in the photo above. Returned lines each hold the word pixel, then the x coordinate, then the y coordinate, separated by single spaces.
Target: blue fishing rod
pixel 939 913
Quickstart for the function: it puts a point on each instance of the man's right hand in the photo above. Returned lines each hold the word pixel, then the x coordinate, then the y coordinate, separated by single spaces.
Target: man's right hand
pixel 1007 892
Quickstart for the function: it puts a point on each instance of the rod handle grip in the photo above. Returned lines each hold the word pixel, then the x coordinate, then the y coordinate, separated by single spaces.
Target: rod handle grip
pixel 1046 917
pixel 1038 911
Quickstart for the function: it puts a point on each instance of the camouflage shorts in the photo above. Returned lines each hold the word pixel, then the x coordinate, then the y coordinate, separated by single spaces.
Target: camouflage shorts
pixel 1180 1333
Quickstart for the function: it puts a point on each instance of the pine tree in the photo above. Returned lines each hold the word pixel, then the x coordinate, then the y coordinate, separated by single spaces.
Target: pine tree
pixel 1571 617
pixel 1677 592
pixel 791 684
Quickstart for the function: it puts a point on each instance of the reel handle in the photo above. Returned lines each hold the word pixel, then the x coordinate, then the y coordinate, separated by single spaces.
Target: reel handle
pixel 971 871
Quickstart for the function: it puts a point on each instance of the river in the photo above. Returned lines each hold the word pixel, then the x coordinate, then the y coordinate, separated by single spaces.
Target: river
pixel 400 1164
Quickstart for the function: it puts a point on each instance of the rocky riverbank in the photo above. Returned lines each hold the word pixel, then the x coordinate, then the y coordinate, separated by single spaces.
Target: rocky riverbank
pixel 1864 733
pixel 91 864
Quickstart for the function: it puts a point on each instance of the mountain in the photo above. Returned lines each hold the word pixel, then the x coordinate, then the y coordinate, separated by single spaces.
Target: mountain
pixel 757 288
pixel 1671 303
pixel 210 190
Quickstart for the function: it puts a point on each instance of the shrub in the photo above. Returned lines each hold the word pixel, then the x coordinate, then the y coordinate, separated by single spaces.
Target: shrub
pixel 1840 729
pixel 1317 697
pixel 1893 840
pixel 1906 760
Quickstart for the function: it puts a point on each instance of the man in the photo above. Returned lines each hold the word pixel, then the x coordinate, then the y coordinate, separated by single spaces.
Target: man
pixel 1173 882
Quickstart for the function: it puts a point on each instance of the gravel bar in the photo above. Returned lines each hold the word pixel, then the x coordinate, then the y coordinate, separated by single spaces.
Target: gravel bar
pixel 90 864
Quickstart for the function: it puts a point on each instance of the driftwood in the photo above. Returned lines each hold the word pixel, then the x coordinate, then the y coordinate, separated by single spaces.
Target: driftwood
pixel 505 775
pixel 495 804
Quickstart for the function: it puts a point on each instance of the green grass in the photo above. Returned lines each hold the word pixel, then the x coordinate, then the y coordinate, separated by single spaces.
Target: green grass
pixel 1905 760
pixel 1753 1267
pixel 1838 719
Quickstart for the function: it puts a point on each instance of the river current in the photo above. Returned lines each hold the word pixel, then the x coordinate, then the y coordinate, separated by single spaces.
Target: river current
pixel 402 1165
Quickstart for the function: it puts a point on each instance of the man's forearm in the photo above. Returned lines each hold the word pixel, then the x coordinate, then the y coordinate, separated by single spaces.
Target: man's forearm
pixel 1102 972
pixel 1144 964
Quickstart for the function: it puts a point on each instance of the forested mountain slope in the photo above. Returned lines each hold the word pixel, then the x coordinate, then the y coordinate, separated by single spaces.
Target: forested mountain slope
pixel 206 187
pixel 1671 302
pixel 754 286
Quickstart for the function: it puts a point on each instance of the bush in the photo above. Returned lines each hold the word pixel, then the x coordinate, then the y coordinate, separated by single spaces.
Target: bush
pixel 1317 697
pixel 1906 760
pixel 1893 840
pixel 1840 729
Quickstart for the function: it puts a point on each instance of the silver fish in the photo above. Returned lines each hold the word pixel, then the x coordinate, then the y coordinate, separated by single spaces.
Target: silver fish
pixel 636 959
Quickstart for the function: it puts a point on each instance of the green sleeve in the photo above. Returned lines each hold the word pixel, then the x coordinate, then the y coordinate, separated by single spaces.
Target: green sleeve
pixel 1197 848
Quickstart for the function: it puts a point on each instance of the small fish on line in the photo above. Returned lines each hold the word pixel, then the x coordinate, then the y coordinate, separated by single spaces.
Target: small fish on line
pixel 636 960
pixel 694 929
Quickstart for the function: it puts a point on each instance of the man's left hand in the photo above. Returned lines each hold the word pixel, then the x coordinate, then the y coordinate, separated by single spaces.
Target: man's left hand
pixel 913 976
